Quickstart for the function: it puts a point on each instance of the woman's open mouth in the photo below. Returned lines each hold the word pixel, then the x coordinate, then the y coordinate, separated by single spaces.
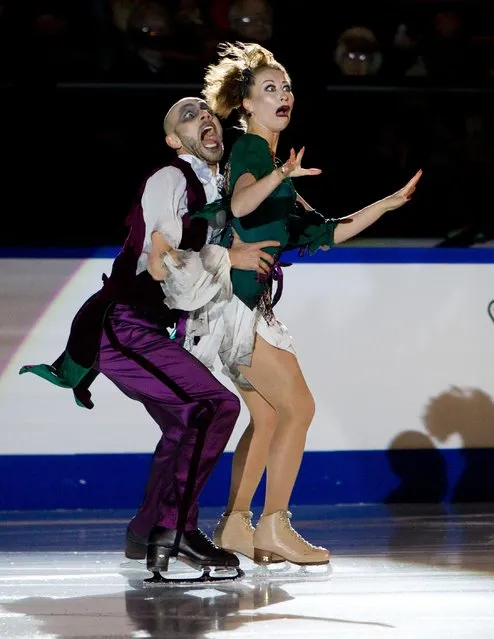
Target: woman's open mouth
pixel 283 111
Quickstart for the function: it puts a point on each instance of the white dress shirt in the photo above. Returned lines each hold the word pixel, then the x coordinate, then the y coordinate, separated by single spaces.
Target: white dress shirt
pixel 200 276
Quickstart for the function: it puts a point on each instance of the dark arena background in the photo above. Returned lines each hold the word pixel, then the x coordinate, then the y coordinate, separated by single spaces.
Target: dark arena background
pixel 393 329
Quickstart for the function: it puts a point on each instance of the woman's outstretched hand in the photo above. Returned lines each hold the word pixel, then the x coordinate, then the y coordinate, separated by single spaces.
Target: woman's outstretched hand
pixel 402 196
pixel 293 166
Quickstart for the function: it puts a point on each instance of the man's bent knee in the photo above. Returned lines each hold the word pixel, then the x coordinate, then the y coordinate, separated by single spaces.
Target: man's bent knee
pixel 231 403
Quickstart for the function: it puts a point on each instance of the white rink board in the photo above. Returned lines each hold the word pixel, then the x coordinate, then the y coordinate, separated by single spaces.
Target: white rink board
pixel 377 343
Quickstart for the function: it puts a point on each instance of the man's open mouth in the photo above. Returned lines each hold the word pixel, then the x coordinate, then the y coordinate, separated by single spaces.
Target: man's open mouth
pixel 209 137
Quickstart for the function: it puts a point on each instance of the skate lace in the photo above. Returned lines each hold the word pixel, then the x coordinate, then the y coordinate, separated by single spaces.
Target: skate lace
pixel 285 518
pixel 247 521
pixel 201 535
pixel 245 517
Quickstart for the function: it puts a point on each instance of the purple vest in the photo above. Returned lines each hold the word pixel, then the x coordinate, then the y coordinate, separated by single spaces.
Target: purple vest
pixel 124 286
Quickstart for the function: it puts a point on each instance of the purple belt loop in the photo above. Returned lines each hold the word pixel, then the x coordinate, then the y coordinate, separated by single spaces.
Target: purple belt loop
pixel 180 327
pixel 277 273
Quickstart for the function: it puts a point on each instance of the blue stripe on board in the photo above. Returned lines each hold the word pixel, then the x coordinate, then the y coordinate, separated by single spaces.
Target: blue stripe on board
pixel 391 255
pixel 57 252
pixel 339 255
pixel 101 481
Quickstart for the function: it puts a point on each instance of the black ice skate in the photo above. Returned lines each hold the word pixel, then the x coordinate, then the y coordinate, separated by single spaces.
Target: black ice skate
pixel 193 548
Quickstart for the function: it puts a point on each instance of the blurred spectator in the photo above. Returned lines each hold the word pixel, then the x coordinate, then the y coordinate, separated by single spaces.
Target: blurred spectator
pixel 5 73
pixel 196 34
pixel 189 12
pixel 358 53
pixel 244 20
pixel 445 53
pixel 120 11
pixel 154 45
pixel 254 21
pixel 219 15
pixel 59 42
pixel 251 20
pixel 149 36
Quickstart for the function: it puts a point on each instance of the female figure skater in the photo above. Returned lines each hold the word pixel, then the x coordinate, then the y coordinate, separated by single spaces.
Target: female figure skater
pixel 254 347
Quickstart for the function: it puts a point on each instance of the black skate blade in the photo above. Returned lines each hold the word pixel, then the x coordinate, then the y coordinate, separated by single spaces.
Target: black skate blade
pixel 188 561
pixel 205 579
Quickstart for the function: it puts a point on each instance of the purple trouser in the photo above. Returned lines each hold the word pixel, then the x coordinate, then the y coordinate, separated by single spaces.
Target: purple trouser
pixel 195 413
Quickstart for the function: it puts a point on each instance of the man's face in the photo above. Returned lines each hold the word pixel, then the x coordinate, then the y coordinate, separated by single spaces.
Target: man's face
pixel 191 127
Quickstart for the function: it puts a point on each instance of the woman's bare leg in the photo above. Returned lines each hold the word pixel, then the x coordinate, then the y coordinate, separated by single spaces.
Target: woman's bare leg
pixel 282 409
pixel 277 377
pixel 252 451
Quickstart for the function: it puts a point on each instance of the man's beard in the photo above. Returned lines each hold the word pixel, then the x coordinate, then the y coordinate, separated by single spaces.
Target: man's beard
pixel 193 146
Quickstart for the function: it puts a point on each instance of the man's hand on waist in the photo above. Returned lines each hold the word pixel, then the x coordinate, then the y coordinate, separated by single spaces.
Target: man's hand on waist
pixel 250 256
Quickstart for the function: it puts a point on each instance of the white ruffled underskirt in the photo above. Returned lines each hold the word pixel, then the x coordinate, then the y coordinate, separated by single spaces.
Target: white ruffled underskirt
pixel 227 328
pixel 231 335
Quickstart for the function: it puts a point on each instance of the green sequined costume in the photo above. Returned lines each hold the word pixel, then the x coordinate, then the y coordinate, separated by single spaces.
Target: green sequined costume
pixel 277 218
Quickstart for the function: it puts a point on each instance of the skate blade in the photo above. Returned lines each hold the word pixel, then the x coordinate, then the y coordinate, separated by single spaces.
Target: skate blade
pixel 133 564
pixel 208 578
pixel 291 573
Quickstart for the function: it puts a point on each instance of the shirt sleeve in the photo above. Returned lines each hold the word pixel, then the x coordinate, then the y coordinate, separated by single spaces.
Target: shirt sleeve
pixel 164 202
pixel 250 154
pixel 199 276
pixel 310 230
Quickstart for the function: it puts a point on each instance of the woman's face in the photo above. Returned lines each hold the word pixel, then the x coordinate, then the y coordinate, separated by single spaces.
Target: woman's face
pixel 270 101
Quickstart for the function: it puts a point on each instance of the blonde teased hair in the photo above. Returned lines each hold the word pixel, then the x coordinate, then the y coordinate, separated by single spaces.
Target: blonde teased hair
pixel 227 82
